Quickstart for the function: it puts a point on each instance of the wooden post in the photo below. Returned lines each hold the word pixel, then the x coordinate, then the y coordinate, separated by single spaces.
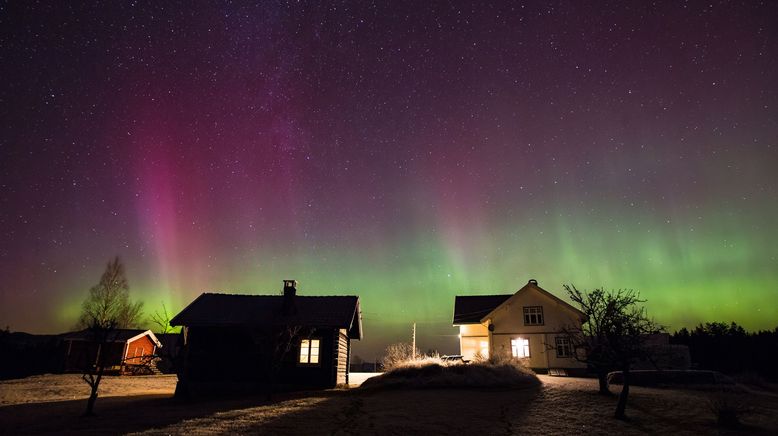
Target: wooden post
pixel 413 345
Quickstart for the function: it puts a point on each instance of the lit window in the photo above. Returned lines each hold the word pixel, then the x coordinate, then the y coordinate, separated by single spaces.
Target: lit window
pixel 309 351
pixel 533 315
pixel 520 347
pixel 563 347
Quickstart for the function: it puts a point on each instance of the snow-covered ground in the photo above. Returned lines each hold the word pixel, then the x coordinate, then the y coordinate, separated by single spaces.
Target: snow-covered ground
pixel 63 387
pixel 45 404
pixel 355 379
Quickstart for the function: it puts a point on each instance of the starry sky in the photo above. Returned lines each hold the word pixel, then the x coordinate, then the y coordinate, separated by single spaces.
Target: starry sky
pixel 406 152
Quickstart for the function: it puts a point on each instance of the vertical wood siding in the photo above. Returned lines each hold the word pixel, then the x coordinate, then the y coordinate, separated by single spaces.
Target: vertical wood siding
pixel 138 348
pixel 341 356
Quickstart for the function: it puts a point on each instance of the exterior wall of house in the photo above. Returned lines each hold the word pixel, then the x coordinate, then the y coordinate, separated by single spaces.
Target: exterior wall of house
pixel 240 359
pixel 138 350
pixel 323 374
pixel 542 348
pixel 341 357
pixel 473 338
pixel 508 321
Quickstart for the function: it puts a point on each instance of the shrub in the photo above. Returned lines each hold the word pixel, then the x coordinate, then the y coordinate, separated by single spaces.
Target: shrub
pixel 398 353
pixel 421 361
pixel 478 357
pixel 725 410
pixel 430 372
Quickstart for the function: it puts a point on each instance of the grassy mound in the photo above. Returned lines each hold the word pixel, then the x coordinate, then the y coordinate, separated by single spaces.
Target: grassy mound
pixel 435 373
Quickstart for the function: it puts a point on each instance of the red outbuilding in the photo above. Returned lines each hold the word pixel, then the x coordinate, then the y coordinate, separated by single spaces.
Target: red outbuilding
pixel 129 351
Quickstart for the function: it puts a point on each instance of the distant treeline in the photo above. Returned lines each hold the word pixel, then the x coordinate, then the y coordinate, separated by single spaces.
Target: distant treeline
pixel 24 354
pixel 729 348
pixel 718 346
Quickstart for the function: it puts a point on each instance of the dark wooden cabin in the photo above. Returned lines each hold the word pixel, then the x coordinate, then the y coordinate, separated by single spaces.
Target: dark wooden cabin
pixel 251 342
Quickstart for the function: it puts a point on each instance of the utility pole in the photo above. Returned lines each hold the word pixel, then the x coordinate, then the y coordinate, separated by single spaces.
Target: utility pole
pixel 413 344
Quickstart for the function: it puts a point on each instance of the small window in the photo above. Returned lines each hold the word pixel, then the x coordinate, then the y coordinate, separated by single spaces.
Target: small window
pixel 520 347
pixel 533 315
pixel 309 351
pixel 563 347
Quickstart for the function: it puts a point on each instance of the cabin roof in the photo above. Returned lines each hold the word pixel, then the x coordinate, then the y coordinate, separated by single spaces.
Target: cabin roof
pixel 310 311
pixel 469 309
pixel 118 335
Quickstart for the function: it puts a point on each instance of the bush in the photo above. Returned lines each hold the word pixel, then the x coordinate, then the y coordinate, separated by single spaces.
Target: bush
pixel 396 354
pixel 432 372
pixel 725 410
pixel 420 361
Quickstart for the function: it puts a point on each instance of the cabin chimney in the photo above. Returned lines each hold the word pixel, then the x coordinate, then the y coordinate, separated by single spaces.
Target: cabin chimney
pixel 290 290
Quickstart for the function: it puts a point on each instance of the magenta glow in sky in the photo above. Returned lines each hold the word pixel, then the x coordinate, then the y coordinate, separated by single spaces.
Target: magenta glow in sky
pixel 403 152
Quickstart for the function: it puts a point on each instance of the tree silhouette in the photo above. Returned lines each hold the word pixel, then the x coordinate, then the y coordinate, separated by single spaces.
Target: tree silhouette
pixel 398 353
pixel 106 309
pixel 162 320
pixel 613 337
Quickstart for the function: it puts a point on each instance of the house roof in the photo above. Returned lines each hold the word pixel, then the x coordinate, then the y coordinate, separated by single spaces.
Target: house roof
pixel 234 309
pixel 118 335
pixel 471 308
pixel 474 309
pixel 533 284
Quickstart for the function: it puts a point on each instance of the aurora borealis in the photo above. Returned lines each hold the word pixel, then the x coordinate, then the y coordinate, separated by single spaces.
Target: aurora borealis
pixel 405 152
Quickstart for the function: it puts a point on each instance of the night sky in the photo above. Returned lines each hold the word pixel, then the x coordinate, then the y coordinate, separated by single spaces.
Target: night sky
pixel 406 152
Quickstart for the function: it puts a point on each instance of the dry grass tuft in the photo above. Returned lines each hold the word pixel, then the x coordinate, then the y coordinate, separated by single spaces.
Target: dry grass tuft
pixel 727 410
pixel 432 372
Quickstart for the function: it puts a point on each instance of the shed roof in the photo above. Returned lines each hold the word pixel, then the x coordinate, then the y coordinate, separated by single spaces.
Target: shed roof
pixel 470 309
pixel 310 311
pixel 118 335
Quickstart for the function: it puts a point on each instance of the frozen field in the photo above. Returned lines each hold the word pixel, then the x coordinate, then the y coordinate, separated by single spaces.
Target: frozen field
pixel 63 387
pixel 53 404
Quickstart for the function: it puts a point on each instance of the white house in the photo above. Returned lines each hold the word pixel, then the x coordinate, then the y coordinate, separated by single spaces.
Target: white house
pixel 526 325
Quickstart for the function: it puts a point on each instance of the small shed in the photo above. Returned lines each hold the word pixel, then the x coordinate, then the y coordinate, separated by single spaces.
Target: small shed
pixel 129 351
pixel 251 342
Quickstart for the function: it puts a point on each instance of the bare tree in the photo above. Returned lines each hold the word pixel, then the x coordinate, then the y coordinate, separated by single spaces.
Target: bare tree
pixel 282 342
pixel 162 320
pixel 397 354
pixel 166 357
pixel 613 337
pixel 106 309
pixel 589 340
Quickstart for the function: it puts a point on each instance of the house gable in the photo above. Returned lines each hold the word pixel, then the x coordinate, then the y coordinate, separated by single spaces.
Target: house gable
pixel 138 350
pixel 557 314
pixel 152 338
